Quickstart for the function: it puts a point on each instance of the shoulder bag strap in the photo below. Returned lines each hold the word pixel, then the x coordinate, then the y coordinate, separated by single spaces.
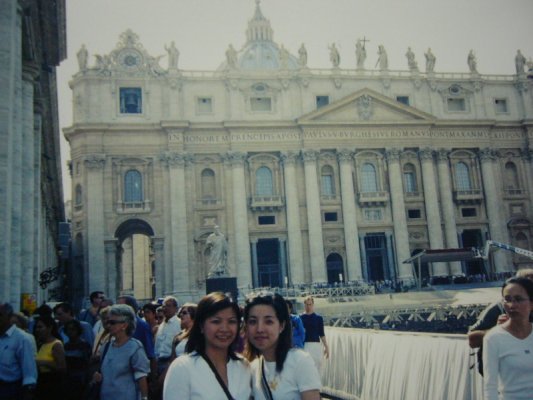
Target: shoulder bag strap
pixel 264 383
pixel 219 378
pixel 106 347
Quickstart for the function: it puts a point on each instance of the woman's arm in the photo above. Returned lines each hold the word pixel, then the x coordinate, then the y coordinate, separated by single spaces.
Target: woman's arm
pixel 143 387
pixel 58 352
pixel 310 395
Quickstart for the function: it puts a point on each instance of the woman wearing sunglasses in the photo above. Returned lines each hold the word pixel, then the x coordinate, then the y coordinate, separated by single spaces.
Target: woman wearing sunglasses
pixel 124 365
pixel 211 369
pixel 279 371
pixel 508 348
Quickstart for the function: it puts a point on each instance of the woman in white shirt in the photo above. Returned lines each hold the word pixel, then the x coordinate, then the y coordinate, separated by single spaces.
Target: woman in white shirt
pixel 508 348
pixel 279 372
pixel 211 370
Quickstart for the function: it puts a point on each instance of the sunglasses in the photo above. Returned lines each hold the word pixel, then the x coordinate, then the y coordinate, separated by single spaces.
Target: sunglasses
pixel 115 321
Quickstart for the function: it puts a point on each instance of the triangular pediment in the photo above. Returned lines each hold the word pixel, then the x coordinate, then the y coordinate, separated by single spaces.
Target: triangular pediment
pixel 366 106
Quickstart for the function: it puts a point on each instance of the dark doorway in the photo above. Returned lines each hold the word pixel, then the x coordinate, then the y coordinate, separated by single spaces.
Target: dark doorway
pixel 334 267
pixel 376 257
pixel 473 238
pixel 268 263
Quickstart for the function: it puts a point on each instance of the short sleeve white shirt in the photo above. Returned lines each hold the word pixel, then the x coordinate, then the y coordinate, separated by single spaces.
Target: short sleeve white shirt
pixel 299 375
pixel 165 336
pixel 190 377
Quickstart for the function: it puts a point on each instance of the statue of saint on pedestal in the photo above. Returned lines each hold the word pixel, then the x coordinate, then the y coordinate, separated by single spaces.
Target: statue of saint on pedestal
pixel 231 57
pixel 411 62
pixel 360 54
pixel 520 62
pixel 217 248
pixel 430 61
pixel 334 56
pixel 173 56
pixel 472 62
pixel 302 53
pixel 383 60
pixel 82 55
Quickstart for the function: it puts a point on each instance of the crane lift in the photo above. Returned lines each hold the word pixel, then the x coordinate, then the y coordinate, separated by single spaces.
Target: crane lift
pixel 484 254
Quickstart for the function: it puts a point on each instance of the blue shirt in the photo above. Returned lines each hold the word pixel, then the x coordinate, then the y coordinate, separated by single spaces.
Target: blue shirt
pixel 314 327
pixel 143 334
pixel 17 359
pixel 298 331
pixel 87 335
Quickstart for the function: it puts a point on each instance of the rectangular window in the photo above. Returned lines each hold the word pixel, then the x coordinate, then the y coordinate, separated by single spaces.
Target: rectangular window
pixel 414 214
pixel 468 212
pixel 266 220
pixel 130 100
pixel 322 101
pixel 501 106
pixel 456 104
pixel 204 105
pixel 327 185
pixel 331 217
pixel 373 215
pixel 403 99
pixel 260 103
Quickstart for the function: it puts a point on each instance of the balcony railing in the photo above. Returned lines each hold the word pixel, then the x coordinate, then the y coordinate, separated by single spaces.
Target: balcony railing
pixel 473 196
pixel 263 203
pixel 124 207
pixel 371 199
pixel 208 204
pixel 514 193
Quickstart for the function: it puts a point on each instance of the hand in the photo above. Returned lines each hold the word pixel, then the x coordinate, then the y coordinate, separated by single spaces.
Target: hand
pixel 502 318
pixel 326 352
pixel 97 377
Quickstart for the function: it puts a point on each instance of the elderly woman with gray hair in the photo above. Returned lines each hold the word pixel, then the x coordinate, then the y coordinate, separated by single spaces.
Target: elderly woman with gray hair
pixel 124 365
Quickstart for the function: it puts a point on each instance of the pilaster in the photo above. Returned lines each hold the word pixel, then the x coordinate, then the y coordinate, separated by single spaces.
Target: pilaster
pixel 351 232
pixel 314 219
pixel 398 214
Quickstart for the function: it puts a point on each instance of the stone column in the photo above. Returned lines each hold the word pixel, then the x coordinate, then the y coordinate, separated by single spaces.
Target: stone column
pixel 392 270
pixel 240 216
pixel 399 218
pixel 283 262
pixel 351 233
pixel 255 267
pixel 314 218
pixel 158 244
pixel 363 256
pixel 28 222
pixel 113 279
pixel 448 208
pixel 94 165
pixel 181 283
pixel 493 200
pixel 294 231
pixel 431 200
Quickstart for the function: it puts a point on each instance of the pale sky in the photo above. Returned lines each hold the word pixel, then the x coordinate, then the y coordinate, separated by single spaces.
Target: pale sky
pixel 203 29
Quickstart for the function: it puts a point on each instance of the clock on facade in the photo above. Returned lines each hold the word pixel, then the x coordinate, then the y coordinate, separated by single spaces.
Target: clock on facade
pixel 130 59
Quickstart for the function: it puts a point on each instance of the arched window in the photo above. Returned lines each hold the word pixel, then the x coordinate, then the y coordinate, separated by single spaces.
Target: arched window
pixel 78 197
pixel 521 240
pixel 462 176
pixel 327 182
pixel 409 178
pixel 133 190
pixel 369 181
pixel 263 182
pixel 208 184
pixel 511 176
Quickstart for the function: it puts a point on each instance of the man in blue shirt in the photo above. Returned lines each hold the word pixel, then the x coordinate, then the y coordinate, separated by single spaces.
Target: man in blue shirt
pixel 298 330
pixel 64 313
pixel 314 333
pixel 18 370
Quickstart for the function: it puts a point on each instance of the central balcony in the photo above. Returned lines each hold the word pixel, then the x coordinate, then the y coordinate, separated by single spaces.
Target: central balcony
pixel 373 199
pixel 473 196
pixel 266 203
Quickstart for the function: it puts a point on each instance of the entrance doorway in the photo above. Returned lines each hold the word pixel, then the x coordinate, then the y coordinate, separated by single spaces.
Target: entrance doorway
pixel 376 257
pixel 135 260
pixel 473 238
pixel 334 267
pixel 268 263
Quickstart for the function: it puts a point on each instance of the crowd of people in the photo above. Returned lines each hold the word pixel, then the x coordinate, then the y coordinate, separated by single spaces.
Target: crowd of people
pixel 117 350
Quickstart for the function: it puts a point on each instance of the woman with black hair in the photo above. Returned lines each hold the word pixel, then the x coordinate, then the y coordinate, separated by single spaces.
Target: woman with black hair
pixel 508 348
pixel 211 369
pixel 279 372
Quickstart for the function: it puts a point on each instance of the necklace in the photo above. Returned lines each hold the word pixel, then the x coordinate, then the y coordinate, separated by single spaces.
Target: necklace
pixel 272 379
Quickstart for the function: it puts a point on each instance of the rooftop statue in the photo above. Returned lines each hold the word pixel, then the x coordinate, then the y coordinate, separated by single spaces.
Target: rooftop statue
pixel 430 61
pixel 173 56
pixel 360 54
pixel 383 59
pixel 283 57
pixel 520 62
pixel 411 62
pixel 334 56
pixel 231 57
pixel 472 62
pixel 82 55
pixel 302 53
